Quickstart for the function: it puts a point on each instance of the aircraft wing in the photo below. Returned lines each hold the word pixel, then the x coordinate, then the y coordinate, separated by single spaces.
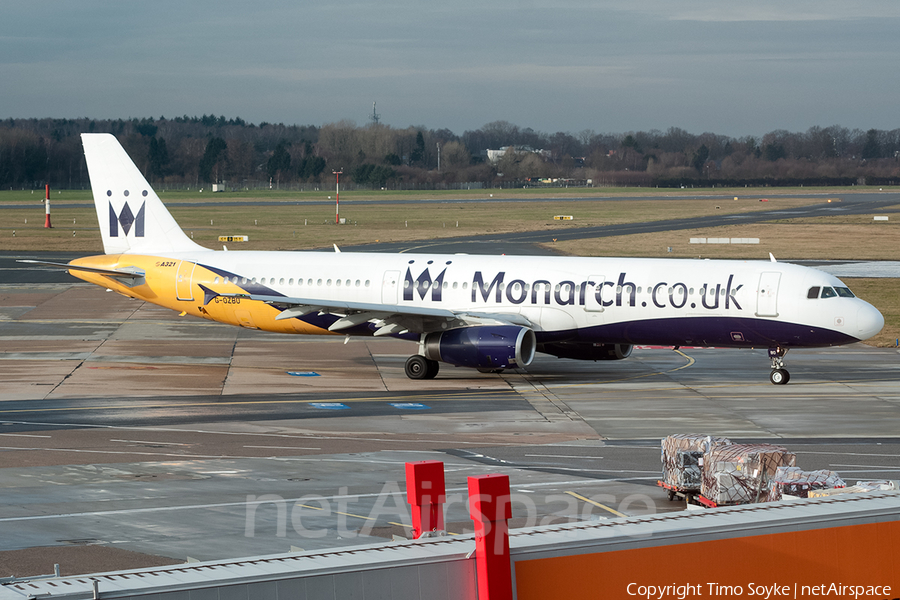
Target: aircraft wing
pixel 389 318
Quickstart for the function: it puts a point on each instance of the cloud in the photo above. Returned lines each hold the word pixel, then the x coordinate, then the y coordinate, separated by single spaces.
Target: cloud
pixel 780 12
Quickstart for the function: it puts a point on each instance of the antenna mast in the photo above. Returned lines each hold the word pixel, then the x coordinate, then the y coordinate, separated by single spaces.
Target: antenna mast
pixel 375 116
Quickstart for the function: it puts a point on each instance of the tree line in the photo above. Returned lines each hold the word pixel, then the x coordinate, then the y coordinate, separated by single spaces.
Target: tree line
pixel 197 151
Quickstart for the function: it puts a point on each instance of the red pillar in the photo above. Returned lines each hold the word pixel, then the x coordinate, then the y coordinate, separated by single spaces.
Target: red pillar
pixel 426 493
pixel 47 207
pixel 489 507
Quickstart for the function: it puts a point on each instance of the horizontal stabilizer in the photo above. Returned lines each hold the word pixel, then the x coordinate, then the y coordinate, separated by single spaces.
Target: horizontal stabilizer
pixel 126 273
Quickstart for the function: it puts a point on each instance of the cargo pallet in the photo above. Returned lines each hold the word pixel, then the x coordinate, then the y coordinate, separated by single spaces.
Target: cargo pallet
pixel 673 491
pixel 713 504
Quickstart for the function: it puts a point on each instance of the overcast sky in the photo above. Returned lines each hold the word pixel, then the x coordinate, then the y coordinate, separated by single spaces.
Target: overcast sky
pixel 729 67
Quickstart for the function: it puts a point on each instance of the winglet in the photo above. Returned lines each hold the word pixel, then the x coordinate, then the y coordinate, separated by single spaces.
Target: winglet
pixel 772 257
pixel 336 249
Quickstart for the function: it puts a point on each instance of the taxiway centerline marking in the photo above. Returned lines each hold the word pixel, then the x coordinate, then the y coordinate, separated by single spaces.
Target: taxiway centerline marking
pixel 595 503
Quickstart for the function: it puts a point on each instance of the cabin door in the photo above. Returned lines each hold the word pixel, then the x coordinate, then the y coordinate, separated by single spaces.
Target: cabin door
pixel 390 286
pixel 593 291
pixel 184 279
pixel 767 295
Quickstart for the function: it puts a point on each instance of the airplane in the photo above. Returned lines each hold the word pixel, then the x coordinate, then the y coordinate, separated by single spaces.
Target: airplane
pixel 489 313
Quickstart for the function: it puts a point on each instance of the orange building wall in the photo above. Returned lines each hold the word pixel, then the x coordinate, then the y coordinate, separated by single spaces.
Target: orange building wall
pixel 866 555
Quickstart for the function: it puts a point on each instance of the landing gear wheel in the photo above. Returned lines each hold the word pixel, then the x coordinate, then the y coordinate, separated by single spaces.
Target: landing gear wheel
pixel 419 367
pixel 779 376
pixel 416 367
pixel 433 368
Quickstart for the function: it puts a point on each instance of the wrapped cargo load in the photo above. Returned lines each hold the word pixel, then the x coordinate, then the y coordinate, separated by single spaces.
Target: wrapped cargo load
pixel 681 458
pixel 794 481
pixel 861 487
pixel 740 473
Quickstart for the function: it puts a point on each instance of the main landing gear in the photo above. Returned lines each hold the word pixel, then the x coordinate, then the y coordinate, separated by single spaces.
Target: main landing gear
pixel 419 367
pixel 779 375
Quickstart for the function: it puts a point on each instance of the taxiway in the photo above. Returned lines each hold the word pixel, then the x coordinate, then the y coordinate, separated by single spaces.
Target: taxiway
pixel 123 425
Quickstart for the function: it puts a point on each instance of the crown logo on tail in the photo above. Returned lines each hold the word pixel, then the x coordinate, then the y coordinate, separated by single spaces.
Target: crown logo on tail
pixel 126 219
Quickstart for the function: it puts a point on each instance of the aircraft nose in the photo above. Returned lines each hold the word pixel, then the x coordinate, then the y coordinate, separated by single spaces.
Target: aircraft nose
pixel 869 321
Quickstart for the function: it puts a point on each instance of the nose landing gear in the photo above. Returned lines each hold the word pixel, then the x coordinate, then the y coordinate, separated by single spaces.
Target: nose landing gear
pixel 779 375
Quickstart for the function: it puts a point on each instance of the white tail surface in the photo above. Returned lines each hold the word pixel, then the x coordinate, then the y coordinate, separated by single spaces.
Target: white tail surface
pixel 133 220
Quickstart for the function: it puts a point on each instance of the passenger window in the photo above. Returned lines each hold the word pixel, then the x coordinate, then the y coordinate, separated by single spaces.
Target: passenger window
pixel 844 292
pixel 828 292
pixel 813 292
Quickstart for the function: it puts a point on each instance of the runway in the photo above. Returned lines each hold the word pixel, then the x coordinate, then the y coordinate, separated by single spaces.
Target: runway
pixel 124 426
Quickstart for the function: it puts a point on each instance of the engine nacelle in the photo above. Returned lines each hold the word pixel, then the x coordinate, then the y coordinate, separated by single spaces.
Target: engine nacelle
pixel 483 346
pixel 582 351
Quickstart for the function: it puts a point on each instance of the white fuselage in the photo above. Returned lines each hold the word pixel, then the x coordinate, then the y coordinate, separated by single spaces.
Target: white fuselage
pixel 592 299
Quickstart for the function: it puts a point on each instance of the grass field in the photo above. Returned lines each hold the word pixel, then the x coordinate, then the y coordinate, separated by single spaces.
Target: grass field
pixel 786 240
pixel 297 227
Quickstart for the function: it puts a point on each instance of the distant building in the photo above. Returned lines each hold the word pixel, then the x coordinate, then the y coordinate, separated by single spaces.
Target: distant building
pixel 494 156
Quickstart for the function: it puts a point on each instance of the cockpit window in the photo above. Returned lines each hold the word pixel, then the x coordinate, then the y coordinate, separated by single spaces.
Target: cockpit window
pixel 844 292
pixel 813 292
pixel 828 292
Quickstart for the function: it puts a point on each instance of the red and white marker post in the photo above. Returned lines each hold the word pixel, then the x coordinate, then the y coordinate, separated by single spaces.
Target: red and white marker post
pixel 337 195
pixel 47 224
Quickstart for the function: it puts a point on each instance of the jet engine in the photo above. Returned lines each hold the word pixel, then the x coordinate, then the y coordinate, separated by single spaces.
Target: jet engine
pixel 587 351
pixel 484 347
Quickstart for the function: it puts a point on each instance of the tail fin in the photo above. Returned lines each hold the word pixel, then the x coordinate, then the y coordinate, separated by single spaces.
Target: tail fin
pixel 133 220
